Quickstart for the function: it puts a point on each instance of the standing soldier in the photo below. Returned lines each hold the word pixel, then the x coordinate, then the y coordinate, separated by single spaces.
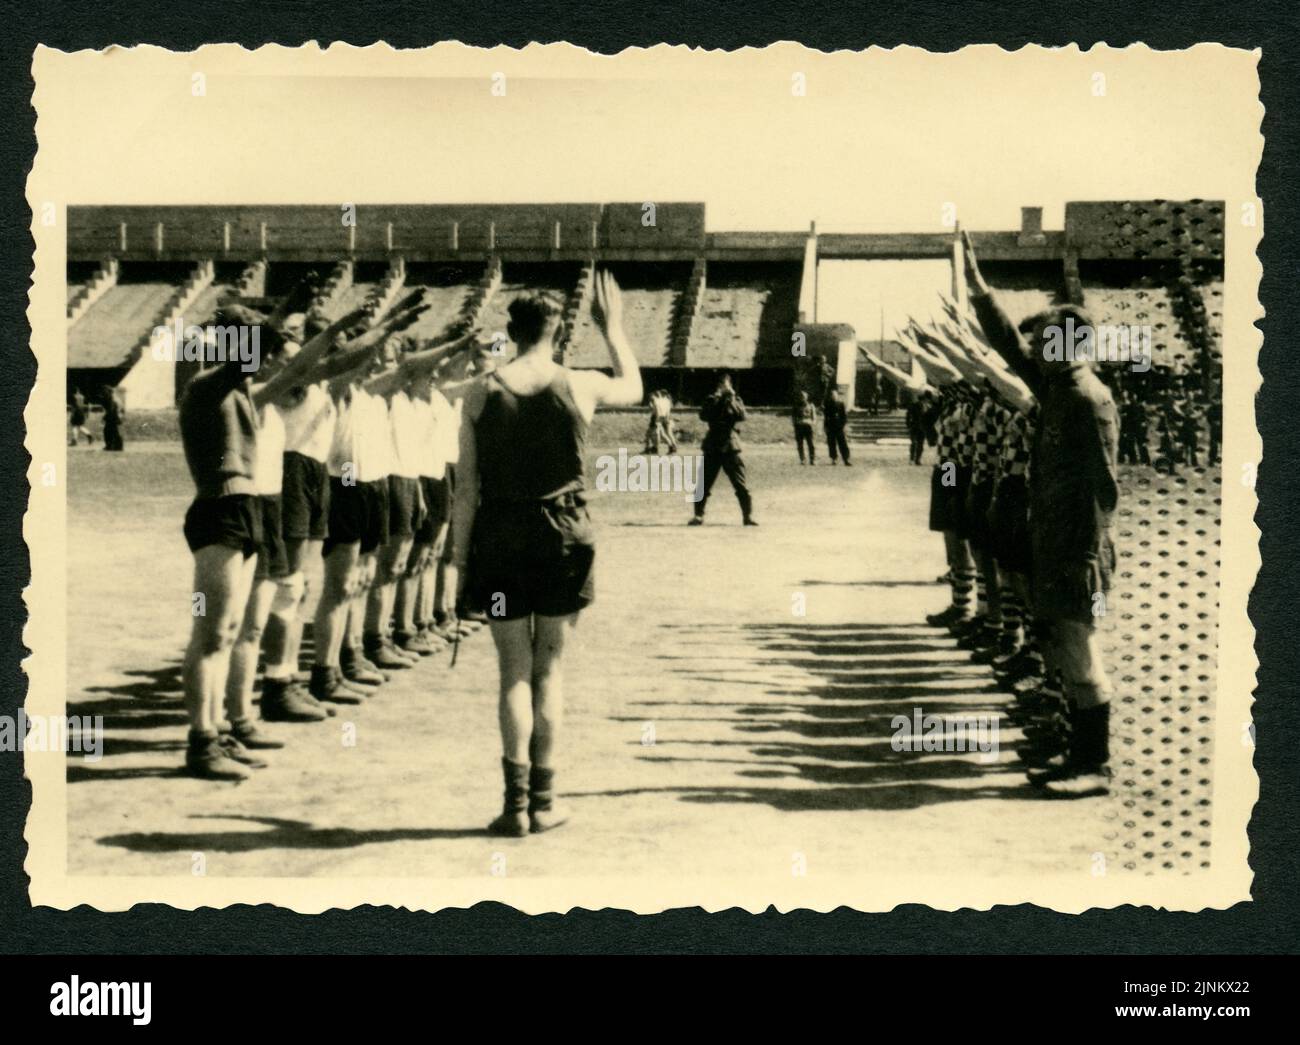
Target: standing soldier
pixel 825 378
pixel 836 418
pixel 113 412
pixel 1169 425
pixel 1073 493
pixel 1133 433
pixel 805 416
pixel 871 390
pixel 722 412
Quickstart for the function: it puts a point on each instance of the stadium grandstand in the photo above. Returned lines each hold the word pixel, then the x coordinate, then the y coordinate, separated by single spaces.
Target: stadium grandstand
pixel 696 301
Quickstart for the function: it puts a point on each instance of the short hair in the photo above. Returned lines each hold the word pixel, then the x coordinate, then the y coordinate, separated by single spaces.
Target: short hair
pixel 313 324
pixel 530 316
pixel 1057 313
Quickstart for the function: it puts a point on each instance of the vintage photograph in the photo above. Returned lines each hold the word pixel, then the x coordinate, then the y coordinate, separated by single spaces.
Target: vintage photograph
pixel 682 478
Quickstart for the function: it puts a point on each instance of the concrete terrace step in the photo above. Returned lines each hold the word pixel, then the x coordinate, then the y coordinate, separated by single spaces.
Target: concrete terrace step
pixel 864 428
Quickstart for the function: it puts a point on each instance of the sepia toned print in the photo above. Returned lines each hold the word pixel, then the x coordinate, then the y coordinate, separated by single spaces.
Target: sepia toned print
pixel 669 479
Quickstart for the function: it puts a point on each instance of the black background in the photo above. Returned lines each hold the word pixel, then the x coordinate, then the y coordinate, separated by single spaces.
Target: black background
pixel 1270 924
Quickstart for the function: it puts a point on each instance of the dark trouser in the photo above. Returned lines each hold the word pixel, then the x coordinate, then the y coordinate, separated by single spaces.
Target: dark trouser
pixel 112 435
pixel 733 464
pixel 1215 438
pixel 1133 449
pixel 803 436
pixel 918 447
pixel 835 441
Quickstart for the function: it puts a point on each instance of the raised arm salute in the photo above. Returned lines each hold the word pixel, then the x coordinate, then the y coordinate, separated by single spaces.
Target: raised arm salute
pixel 1072 492
pixel 593 389
pixel 998 328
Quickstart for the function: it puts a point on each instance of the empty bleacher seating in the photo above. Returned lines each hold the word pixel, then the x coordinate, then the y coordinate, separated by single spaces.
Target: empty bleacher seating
pixel 651 293
pixel 745 316
pixel 110 331
pixel 520 280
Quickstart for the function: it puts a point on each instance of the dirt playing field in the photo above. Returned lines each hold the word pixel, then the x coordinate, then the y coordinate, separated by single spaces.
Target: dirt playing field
pixel 710 723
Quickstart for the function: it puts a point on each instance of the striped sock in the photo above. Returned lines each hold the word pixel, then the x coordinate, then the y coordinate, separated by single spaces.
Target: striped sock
pixel 963 582
pixel 1010 614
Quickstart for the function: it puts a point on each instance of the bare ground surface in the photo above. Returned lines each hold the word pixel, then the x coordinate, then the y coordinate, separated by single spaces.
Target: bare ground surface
pixel 710 728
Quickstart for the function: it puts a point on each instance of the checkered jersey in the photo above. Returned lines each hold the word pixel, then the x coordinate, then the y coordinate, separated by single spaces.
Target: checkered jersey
pixel 1017 441
pixel 945 429
pixel 962 446
pixel 986 435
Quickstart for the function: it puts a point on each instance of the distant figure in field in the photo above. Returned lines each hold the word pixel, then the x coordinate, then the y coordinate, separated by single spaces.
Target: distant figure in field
pixel 77 419
pixel 889 394
pixel 114 412
pixel 916 425
pixel 825 380
pixel 659 432
pixel 835 418
pixel 871 391
pixel 804 415
pixel 1133 430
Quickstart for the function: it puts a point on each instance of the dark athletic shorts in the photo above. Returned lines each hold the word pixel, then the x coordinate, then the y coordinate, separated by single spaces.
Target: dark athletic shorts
pixel 403 507
pixel 960 493
pixel 979 497
pixel 436 508
pixel 1067 590
pixel 1011 545
pixel 945 501
pixel 349 512
pixel 272 558
pixel 532 557
pixel 305 498
pixel 233 521
pixel 376 528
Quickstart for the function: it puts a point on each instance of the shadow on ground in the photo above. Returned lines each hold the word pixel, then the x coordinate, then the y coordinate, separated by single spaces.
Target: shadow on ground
pixel 825 745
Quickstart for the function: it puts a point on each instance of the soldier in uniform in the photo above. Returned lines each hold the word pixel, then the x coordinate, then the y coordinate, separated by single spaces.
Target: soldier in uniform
pixel 1073 492
pixel 722 412
pixel 835 420
pixel 805 416
pixel 1133 432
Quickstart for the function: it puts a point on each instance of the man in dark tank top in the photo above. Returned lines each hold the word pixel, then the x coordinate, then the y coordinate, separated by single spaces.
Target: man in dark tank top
pixel 523 541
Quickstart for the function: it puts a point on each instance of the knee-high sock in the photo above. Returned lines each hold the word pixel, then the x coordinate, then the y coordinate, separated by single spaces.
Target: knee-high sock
pixel 1010 613
pixel 963 585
